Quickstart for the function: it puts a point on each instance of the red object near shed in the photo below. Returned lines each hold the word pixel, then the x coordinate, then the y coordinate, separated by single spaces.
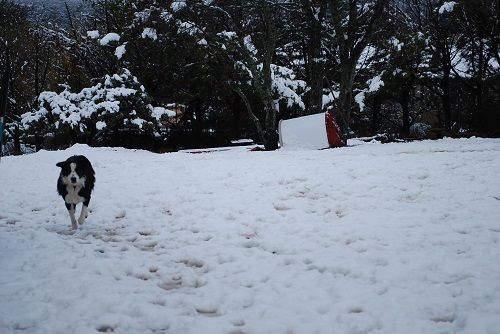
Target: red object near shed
pixel 333 132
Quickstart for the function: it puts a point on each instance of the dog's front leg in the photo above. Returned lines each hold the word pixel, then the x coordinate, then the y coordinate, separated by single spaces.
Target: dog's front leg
pixel 83 214
pixel 71 211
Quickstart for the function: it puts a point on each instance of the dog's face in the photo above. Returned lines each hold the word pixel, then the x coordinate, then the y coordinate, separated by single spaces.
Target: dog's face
pixel 72 173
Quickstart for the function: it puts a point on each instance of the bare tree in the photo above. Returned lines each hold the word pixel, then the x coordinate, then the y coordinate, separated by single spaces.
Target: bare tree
pixel 314 12
pixel 246 34
pixel 354 23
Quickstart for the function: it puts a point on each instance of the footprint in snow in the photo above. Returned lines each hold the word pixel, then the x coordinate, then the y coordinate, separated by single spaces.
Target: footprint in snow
pixel 105 328
pixel 193 263
pixel 281 207
pixel 120 214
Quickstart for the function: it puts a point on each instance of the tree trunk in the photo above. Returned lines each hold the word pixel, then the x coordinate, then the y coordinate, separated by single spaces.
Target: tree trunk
pixel 446 100
pixel 38 142
pixel 446 104
pixel 479 89
pixel 270 133
pixel 17 141
pixel 345 97
pixel 315 74
pixel 315 64
pixel 354 29
pixel 252 116
pixel 479 113
pixel 405 106
pixel 377 106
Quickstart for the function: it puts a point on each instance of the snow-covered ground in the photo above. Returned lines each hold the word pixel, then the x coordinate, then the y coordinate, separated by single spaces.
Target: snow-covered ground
pixel 394 238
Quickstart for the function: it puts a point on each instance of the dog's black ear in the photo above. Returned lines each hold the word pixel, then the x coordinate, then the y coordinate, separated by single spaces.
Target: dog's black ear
pixel 60 164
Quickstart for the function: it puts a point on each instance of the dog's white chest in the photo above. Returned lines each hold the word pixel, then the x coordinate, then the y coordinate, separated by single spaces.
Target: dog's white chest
pixel 72 196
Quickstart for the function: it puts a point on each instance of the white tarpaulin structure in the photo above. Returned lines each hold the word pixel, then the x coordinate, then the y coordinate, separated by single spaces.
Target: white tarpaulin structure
pixel 316 131
pixel 307 132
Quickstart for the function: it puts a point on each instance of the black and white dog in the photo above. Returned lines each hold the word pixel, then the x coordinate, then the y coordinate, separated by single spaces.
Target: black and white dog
pixel 75 185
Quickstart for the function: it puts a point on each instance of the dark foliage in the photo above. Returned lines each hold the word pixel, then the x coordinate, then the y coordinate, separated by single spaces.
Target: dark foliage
pixel 233 69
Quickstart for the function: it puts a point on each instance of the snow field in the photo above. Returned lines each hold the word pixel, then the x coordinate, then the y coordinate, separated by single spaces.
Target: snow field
pixel 396 238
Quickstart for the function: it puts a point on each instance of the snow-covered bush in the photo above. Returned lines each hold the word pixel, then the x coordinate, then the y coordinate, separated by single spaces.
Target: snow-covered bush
pixel 419 130
pixel 286 87
pixel 117 105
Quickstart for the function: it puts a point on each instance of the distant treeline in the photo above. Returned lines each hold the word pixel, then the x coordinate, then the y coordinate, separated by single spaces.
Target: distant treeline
pixel 164 75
